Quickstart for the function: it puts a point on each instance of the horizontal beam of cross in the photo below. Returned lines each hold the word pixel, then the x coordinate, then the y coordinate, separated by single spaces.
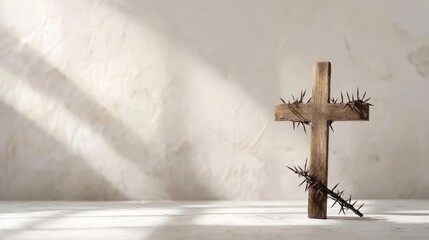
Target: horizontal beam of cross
pixel 333 111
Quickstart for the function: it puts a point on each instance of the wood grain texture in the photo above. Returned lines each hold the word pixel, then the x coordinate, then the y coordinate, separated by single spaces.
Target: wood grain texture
pixel 341 112
pixel 292 112
pixel 332 111
pixel 319 138
pixel 319 111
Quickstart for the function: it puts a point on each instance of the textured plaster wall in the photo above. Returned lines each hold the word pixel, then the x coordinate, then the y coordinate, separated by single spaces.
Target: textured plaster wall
pixel 128 99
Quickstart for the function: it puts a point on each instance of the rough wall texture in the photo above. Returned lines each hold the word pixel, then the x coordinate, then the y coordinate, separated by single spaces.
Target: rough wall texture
pixel 129 99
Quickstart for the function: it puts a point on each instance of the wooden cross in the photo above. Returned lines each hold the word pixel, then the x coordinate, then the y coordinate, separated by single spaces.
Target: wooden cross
pixel 319 111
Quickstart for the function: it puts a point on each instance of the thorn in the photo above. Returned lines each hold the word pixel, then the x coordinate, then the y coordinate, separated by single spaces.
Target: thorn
pixel 335 187
pixel 290 168
pixel 364 95
pixel 354 203
pixel 342 98
pixel 358 93
pixel 309 100
pixel 353 98
pixel 293 122
pixel 305 165
pixel 283 100
pixel 347 104
pixel 302 182
pixel 305 130
pixel 361 206
pixel 293 97
pixel 348 97
pixel 367 100
pixel 334 203
pixel 330 125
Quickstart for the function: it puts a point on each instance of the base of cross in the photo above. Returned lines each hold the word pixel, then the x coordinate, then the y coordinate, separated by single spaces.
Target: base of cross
pixel 317 205
pixel 320 112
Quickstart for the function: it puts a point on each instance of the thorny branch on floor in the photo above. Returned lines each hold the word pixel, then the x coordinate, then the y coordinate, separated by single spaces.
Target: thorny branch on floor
pixel 322 190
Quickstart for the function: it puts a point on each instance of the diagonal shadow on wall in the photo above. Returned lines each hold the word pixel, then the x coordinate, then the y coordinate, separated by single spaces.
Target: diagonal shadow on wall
pixel 48 80
pixel 45 175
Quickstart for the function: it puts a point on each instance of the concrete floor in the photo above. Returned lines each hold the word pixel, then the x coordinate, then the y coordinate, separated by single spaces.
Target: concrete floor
pixel 392 219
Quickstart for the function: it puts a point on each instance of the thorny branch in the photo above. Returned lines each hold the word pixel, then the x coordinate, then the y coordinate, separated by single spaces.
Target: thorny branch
pixel 352 102
pixel 359 101
pixel 322 190
pixel 297 101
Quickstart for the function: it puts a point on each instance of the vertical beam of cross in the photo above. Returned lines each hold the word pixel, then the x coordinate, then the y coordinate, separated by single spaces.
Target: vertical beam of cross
pixel 319 111
pixel 317 202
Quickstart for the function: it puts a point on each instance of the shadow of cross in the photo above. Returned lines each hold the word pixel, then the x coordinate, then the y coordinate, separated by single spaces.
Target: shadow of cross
pixel 319 111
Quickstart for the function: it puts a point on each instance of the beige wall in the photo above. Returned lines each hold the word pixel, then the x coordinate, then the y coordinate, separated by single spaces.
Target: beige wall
pixel 128 99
